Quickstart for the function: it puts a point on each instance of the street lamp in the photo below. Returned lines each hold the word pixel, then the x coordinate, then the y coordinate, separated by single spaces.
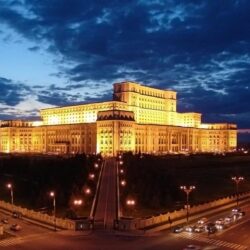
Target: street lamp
pixel 130 203
pixel 96 165
pixel 10 187
pixel 91 176
pixel 87 191
pixel 187 190
pixel 77 202
pixel 237 180
pixel 53 195
pixel 123 183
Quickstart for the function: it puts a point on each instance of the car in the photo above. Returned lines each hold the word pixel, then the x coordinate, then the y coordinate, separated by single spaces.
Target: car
pixel 236 210
pixel 5 221
pixel 15 227
pixel 211 228
pixel 219 221
pixel 209 225
pixel 189 229
pixel 219 226
pixel 17 215
pixel 178 229
pixel 202 221
pixel 199 229
pixel 242 213
pixel 228 219
pixel 192 247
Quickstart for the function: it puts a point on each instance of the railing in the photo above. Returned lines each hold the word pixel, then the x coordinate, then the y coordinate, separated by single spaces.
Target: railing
pixel 162 221
pixel 39 217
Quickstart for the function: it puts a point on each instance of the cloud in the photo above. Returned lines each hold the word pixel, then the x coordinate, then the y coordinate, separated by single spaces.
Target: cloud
pixel 12 93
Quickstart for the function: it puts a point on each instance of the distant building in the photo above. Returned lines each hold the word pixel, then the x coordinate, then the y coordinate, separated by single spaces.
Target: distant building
pixel 139 119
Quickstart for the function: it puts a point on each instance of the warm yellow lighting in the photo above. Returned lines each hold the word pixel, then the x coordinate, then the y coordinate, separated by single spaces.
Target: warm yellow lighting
pixel 130 202
pixel 52 194
pixel 37 123
pixel 123 183
pixel 78 202
pixel 53 120
pixel 87 191
pixel 140 119
pixel 91 176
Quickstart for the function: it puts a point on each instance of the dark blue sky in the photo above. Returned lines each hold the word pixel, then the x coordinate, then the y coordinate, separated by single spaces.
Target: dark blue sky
pixel 57 52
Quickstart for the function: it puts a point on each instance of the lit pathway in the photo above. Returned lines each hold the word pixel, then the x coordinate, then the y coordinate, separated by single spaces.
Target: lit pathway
pixel 106 209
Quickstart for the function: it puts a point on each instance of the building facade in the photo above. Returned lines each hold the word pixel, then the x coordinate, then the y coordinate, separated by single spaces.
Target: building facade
pixel 138 119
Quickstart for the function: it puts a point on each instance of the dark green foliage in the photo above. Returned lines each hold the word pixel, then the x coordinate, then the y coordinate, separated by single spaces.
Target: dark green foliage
pixel 34 176
pixel 155 180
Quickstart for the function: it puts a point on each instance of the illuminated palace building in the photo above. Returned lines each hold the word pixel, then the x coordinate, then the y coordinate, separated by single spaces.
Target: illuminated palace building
pixel 138 119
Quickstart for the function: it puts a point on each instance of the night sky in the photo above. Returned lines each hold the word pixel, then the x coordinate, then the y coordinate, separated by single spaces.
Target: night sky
pixel 60 52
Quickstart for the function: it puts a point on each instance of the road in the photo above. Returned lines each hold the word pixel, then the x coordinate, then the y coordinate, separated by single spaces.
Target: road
pixel 236 237
pixel 106 209
pixel 32 237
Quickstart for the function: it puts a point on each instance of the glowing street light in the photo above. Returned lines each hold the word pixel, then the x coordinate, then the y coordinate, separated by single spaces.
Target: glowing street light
pixel 123 183
pixel 91 176
pixel 121 171
pixel 10 187
pixel 130 202
pixel 53 195
pixel 120 162
pixel 87 191
pixel 96 165
pixel 187 190
pixel 237 180
pixel 77 202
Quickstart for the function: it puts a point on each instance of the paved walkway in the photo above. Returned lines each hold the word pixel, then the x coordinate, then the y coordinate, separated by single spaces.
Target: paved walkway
pixel 106 209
